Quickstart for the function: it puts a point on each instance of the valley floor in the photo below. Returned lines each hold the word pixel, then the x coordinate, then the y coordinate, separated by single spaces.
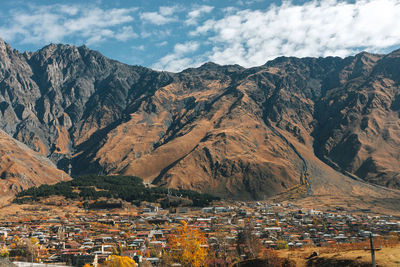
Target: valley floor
pixel 336 228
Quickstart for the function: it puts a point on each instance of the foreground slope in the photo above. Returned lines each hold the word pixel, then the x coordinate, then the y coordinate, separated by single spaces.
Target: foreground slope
pixel 227 130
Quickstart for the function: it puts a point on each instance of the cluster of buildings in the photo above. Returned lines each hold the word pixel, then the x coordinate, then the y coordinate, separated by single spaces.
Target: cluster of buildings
pixel 142 233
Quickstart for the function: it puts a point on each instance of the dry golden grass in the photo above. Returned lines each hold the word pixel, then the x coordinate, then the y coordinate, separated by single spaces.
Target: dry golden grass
pixel 387 253
pixel 379 243
pixel 62 140
pixel 389 257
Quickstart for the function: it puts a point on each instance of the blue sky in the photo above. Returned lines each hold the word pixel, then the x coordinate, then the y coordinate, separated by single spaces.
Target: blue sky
pixel 174 35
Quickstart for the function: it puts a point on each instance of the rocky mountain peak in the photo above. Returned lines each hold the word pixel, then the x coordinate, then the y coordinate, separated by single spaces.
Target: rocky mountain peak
pixel 4 48
pixel 2 44
pixel 228 130
pixel 395 53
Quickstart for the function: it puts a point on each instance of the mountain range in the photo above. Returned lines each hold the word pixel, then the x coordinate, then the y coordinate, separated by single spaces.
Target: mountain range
pixel 243 133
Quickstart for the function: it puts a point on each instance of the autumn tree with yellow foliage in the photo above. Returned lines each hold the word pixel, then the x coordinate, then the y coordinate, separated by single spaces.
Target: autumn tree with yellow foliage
pixel 188 246
pixel 118 261
pixel 32 249
pixel 4 252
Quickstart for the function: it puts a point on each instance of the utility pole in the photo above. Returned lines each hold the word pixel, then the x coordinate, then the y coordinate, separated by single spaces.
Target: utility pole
pixel 372 250
pixel 69 169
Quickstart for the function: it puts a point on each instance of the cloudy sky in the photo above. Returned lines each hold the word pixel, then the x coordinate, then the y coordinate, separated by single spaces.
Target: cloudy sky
pixel 174 35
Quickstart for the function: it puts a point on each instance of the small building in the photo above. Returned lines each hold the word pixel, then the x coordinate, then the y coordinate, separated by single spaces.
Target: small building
pixel 156 234
pixel 3 234
pixel 220 210
pixel 182 210
pixel 207 210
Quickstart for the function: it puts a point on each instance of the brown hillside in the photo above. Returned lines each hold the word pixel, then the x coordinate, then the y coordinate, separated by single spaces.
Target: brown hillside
pixel 21 168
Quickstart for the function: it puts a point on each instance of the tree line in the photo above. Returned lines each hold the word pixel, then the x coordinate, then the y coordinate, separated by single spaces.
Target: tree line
pixel 127 188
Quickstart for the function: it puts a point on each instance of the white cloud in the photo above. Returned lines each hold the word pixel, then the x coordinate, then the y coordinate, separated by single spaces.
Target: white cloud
pixel 55 23
pixel 186 47
pixel 163 16
pixel 138 47
pixel 179 59
pixel 69 10
pixel 248 2
pixel 168 10
pixel 155 18
pixel 163 43
pixel 196 13
pixel 317 28
pixel 125 34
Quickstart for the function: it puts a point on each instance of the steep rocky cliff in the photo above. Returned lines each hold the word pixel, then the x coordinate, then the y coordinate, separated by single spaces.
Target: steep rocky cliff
pixel 236 132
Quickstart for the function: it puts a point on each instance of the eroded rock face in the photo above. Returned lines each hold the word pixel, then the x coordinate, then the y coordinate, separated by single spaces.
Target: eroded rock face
pixel 236 132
